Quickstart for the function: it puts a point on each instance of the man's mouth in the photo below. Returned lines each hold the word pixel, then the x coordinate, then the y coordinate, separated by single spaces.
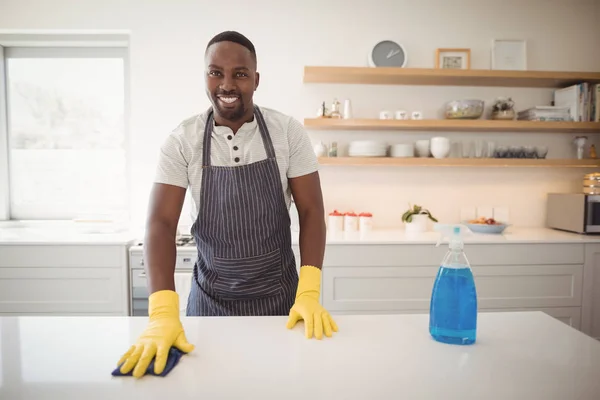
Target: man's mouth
pixel 228 99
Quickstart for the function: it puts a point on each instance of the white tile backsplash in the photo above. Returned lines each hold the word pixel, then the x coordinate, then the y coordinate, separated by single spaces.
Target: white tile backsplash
pixel 468 213
pixel 501 214
pixel 485 211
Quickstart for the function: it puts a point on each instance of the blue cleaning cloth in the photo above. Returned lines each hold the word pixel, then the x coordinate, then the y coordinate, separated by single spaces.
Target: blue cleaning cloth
pixel 172 360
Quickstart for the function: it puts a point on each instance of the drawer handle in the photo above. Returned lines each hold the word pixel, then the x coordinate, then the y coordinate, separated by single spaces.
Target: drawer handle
pixel 187 260
pixel 142 275
pixel 142 262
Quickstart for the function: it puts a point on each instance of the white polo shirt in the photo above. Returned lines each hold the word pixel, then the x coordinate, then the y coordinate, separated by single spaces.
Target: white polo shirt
pixel 180 161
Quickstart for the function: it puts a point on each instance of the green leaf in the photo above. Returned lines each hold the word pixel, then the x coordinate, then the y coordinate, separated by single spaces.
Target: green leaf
pixel 430 216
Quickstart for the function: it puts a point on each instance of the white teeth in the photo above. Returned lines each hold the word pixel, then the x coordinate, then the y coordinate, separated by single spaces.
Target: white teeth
pixel 228 99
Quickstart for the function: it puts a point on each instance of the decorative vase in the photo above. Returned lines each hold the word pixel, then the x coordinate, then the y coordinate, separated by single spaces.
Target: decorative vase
pixel 504 115
pixel 419 223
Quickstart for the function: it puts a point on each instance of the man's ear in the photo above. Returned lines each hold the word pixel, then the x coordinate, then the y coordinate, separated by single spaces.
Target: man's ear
pixel 257 81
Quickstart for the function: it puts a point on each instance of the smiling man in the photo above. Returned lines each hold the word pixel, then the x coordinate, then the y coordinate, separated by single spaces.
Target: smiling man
pixel 242 164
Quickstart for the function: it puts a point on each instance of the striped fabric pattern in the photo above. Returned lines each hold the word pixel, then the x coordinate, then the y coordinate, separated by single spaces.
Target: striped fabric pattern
pixel 182 153
pixel 245 264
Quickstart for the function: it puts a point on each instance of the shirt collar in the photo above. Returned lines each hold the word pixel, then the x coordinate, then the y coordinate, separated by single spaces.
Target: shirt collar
pixel 224 130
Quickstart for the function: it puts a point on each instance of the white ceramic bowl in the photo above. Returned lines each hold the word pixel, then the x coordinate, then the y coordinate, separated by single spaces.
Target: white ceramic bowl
pixel 488 229
pixel 402 150
pixel 440 147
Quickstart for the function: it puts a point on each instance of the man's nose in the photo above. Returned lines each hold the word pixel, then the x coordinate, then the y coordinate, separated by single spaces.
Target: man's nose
pixel 228 84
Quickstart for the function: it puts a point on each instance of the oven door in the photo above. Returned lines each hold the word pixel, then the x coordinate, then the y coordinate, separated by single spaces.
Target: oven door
pixel 592 214
pixel 139 291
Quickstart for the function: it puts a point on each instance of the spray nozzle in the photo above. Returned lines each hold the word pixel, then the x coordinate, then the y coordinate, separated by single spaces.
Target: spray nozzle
pixel 453 232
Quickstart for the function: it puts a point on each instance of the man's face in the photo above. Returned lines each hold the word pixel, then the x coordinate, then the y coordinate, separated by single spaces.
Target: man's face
pixel 231 79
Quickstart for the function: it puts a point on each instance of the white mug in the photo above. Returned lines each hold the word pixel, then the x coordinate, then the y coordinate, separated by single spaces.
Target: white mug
pixel 440 147
pixel 417 115
pixel 401 114
pixel 385 114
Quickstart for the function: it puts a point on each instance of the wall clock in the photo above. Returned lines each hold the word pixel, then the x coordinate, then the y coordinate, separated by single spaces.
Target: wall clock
pixel 387 53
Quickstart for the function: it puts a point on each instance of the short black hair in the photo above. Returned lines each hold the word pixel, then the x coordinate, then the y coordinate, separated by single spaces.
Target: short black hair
pixel 233 36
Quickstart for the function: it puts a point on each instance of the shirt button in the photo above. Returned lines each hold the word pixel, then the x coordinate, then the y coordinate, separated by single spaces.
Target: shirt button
pixel 235 148
pixel 229 137
pixel 237 159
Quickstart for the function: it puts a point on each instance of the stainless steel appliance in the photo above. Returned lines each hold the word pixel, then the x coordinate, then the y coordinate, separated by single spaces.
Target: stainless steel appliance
pixel 573 212
pixel 184 266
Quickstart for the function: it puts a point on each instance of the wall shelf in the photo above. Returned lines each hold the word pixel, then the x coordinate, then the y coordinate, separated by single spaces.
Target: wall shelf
pixel 458 162
pixel 451 125
pixel 445 77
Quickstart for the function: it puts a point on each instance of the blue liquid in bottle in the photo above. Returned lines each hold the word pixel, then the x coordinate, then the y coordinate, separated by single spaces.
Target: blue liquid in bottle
pixel 453 308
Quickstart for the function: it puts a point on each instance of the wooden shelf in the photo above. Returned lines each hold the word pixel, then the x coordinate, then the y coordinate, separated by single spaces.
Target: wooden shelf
pixel 456 125
pixel 445 77
pixel 458 162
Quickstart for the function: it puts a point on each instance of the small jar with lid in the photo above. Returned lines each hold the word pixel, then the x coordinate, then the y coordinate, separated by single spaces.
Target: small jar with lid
pixel 365 222
pixel 335 221
pixel 336 112
pixel 351 222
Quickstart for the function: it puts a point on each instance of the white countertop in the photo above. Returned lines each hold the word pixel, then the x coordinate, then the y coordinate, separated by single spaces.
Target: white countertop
pixel 510 235
pixel 26 234
pixel 59 233
pixel 517 356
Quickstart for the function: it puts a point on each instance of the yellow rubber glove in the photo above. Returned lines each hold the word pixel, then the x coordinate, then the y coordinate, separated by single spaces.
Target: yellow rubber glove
pixel 307 306
pixel 163 331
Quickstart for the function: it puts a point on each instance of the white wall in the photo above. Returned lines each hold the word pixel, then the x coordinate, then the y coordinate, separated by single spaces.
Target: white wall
pixel 169 37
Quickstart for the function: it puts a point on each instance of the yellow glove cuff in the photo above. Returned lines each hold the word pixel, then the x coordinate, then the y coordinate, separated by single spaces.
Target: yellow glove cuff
pixel 164 303
pixel 309 282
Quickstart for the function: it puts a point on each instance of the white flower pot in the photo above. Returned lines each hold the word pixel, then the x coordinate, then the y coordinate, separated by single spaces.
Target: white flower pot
pixel 420 223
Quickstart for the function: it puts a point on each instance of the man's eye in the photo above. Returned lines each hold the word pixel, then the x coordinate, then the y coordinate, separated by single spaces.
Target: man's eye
pixel 214 73
pixel 242 75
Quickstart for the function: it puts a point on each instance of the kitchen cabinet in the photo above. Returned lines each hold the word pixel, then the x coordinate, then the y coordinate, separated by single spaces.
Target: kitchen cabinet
pixel 591 291
pixel 63 279
pixel 398 278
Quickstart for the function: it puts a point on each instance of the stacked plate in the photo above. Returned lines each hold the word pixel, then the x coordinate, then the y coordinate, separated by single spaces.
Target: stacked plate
pixel 367 148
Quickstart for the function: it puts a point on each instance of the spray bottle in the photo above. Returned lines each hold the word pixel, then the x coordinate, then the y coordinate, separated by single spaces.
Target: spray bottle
pixel 453 308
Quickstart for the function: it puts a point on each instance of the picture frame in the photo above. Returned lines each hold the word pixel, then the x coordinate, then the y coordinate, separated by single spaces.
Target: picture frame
pixel 453 58
pixel 509 54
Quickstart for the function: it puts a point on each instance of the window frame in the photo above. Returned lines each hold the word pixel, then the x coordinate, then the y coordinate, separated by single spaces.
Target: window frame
pixel 57 46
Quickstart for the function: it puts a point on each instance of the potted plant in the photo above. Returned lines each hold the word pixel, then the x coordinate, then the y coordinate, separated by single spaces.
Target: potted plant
pixel 416 218
pixel 503 108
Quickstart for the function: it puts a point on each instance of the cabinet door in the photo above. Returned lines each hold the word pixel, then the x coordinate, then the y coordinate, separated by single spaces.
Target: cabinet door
pixel 62 290
pixel 409 288
pixel 591 293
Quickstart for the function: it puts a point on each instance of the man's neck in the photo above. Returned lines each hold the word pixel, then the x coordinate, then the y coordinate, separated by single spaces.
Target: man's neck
pixel 234 125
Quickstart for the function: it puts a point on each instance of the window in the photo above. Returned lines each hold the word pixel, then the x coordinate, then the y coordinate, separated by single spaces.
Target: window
pixel 66 131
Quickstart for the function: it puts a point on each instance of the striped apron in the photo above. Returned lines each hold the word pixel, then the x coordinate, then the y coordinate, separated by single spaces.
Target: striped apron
pixel 245 264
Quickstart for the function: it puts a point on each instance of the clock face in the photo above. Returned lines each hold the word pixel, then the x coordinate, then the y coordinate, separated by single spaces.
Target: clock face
pixel 388 54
